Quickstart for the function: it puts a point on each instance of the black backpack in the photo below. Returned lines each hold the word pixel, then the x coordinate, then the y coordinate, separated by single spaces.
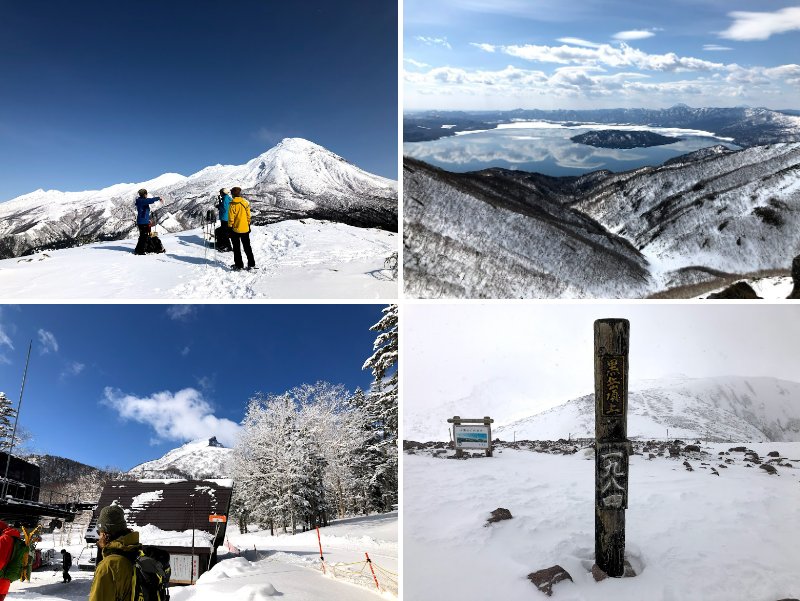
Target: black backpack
pixel 151 575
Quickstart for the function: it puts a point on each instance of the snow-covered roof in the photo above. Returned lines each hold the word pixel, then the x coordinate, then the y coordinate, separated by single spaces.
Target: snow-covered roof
pixel 165 512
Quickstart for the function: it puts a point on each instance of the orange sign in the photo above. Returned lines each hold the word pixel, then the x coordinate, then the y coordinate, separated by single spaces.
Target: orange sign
pixel 217 518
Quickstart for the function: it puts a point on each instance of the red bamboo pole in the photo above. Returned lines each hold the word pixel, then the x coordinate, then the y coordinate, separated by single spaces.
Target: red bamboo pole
pixel 371 569
pixel 321 558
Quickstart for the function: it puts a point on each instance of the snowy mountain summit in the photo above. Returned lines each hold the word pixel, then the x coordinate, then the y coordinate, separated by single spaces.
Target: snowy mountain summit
pixel 295 179
pixel 199 459
pixel 731 408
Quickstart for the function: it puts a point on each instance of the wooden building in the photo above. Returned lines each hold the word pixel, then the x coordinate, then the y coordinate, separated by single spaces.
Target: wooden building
pixel 171 515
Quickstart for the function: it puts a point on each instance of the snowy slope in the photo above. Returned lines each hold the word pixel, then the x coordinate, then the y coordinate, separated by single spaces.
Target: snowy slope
pixel 483 235
pixel 734 212
pixel 703 216
pixel 296 178
pixel 296 259
pixel 726 408
pixel 689 535
pixel 281 566
pixel 199 460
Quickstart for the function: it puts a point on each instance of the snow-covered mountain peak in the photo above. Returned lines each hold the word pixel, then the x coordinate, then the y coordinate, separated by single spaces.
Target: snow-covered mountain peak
pixel 202 458
pixel 293 180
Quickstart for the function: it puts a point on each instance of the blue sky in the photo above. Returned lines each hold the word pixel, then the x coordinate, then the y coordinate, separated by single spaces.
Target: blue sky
pixel 205 361
pixel 98 93
pixel 506 54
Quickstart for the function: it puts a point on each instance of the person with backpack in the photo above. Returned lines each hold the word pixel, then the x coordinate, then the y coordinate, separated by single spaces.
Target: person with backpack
pixel 239 222
pixel 143 220
pixel 66 563
pixel 12 552
pixel 222 233
pixel 125 570
pixel 118 546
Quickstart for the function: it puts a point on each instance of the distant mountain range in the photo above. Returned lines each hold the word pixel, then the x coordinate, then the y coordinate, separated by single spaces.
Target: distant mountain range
pixel 199 459
pixel 747 126
pixel 295 179
pixel 510 234
pixel 731 408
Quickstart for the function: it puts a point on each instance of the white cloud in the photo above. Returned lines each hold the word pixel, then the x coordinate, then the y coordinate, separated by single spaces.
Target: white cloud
pixel 417 64
pixel 73 369
pixel 181 416
pixel 634 34
pixel 48 342
pixel 434 41
pixel 185 351
pixel 612 56
pixel 715 47
pixel 180 312
pixel 484 47
pixel 578 42
pixel 578 85
pixel 749 26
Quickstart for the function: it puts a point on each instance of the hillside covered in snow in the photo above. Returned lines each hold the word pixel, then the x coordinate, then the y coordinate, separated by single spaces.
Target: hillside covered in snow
pixel 702 217
pixel 303 258
pixel 295 179
pixel 725 531
pixel 197 460
pixel 728 408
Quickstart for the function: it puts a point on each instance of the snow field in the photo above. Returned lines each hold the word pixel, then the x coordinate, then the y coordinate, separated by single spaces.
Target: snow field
pixel 690 535
pixel 296 259
pixel 286 566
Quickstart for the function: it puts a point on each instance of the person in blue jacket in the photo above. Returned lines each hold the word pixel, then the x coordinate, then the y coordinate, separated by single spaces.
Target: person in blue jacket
pixel 143 220
pixel 223 233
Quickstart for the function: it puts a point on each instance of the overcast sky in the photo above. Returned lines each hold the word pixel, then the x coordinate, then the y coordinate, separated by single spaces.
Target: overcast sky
pixel 506 54
pixel 537 356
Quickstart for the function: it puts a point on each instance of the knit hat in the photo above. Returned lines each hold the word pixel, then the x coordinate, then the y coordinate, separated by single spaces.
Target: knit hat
pixel 112 520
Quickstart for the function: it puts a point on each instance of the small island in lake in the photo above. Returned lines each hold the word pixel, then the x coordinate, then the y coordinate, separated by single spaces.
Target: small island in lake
pixel 615 138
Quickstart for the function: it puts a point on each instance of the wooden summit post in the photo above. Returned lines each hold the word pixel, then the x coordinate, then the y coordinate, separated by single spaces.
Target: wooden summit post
pixel 612 447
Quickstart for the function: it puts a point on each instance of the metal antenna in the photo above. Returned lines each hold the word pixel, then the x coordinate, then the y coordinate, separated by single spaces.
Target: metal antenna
pixel 16 421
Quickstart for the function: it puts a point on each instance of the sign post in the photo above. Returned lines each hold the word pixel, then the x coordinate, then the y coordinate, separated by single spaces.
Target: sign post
pixel 477 436
pixel 612 448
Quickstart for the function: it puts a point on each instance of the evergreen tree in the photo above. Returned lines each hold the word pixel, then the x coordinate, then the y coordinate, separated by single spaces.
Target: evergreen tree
pixel 7 417
pixel 382 410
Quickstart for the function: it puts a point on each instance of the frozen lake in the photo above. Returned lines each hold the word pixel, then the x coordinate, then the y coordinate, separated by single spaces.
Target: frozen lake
pixel 546 147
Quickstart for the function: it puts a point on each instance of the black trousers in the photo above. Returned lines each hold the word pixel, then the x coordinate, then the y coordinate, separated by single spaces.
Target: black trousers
pixel 223 236
pixel 67 577
pixel 236 238
pixel 144 234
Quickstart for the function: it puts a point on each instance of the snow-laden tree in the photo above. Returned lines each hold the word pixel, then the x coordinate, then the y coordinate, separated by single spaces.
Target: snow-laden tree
pixel 383 364
pixel 7 416
pixel 380 448
pixel 294 459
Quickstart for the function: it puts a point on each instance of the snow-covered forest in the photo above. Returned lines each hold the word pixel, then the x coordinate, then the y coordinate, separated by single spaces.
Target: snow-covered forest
pixel 318 452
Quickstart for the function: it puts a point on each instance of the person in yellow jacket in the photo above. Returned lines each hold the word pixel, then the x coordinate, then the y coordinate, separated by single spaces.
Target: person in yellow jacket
pixel 118 548
pixel 239 224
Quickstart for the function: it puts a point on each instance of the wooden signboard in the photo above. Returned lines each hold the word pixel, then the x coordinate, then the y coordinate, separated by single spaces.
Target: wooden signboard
pixel 612 448
pixel 468 436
